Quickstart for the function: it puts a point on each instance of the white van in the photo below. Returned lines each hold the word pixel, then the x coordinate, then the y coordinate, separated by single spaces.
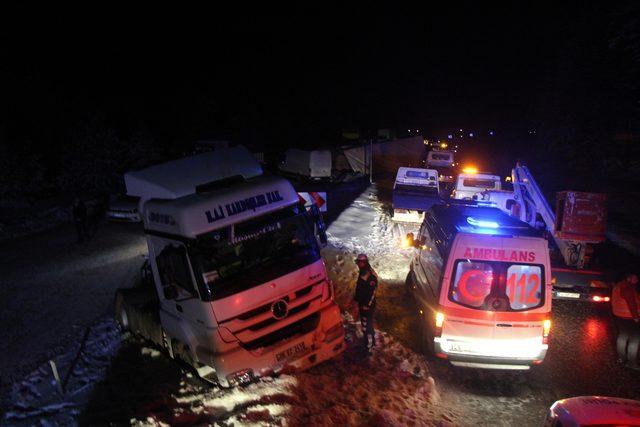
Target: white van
pixel 470 186
pixel 440 159
pixel 414 191
pixel 482 281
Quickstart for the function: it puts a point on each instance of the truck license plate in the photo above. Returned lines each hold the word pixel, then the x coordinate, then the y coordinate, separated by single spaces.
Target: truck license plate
pixel 291 353
pixel 568 295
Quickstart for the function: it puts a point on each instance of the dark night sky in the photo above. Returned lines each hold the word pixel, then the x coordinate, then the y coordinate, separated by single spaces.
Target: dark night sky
pixel 286 79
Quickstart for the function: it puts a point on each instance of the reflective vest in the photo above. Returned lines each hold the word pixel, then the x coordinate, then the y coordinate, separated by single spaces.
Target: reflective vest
pixel 619 304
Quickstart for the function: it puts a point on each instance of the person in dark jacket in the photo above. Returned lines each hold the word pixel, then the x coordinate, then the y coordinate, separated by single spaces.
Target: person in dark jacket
pixel 625 305
pixel 80 218
pixel 365 297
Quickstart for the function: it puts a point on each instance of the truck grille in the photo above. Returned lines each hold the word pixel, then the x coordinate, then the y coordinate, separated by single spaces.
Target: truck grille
pixel 300 327
pixel 272 320
pixel 267 307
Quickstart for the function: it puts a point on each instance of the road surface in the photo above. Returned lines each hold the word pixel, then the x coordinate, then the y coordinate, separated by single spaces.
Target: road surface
pixel 52 288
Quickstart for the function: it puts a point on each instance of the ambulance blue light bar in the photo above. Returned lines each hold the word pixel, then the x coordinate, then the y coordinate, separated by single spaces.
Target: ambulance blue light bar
pixel 482 223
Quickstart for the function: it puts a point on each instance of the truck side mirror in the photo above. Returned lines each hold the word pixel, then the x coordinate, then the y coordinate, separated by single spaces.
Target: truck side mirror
pixel 319 224
pixel 170 292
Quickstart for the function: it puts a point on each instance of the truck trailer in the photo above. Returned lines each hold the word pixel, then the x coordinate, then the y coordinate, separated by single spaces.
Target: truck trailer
pixel 315 165
pixel 237 287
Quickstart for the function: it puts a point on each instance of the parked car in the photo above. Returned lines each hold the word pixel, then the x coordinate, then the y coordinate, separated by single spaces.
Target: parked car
pixel 593 411
pixel 124 208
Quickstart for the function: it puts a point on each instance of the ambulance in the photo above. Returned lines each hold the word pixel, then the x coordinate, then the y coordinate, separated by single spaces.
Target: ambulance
pixel 482 283
pixel 593 411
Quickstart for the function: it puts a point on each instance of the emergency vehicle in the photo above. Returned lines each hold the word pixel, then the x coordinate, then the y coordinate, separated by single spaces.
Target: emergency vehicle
pixel 593 411
pixel 470 185
pixel 482 283
pixel 238 288
pixel 414 191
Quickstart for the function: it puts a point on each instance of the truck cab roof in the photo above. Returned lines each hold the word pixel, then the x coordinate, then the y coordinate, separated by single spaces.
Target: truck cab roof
pixel 196 214
pixel 181 177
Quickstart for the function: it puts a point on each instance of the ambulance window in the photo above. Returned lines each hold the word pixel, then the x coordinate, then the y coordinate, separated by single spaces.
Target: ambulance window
pixel 524 286
pixel 472 283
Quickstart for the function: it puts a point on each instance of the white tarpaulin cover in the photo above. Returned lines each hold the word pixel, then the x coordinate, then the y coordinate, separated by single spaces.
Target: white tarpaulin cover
pixel 388 156
pixel 178 178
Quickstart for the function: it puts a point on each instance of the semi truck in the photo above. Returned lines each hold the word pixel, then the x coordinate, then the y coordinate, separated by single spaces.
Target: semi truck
pixel 237 288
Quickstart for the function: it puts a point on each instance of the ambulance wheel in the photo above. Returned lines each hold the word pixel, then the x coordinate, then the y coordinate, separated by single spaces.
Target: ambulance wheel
pixel 122 315
pixel 408 284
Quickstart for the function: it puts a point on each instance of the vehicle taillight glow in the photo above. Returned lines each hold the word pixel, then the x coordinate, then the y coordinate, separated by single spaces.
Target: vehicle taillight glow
pixel 598 298
pixel 439 319
pixel 546 328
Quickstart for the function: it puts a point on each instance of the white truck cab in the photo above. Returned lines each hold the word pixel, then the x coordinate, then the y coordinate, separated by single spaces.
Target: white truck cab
pixel 482 283
pixel 240 288
pixel 593 411
pixel 469 186
pixel 414 191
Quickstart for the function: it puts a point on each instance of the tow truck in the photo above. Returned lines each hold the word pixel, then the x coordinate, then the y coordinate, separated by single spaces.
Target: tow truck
pixel 575 230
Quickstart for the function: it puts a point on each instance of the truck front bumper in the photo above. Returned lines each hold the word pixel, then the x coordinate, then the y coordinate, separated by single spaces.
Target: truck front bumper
pixel 238 365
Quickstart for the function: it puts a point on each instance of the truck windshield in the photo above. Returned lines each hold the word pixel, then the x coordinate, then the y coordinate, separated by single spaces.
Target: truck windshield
pixel 260 250
pixel 497 286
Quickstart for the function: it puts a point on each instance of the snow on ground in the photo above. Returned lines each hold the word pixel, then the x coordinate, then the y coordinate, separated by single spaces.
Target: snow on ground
pixel 124 381
pixel 366 227
pixel 114 381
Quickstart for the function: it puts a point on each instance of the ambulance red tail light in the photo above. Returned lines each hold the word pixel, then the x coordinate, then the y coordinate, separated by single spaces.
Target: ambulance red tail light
pixel 439 323
pixel 546 328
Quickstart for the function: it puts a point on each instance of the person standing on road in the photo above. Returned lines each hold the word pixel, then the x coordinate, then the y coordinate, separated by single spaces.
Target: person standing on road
pixel 80 218
pixel 625 303
pixel 365 297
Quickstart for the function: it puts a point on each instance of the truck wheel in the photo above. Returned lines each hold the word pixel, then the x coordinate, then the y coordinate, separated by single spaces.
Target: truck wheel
pixel 122 316
pixel 408 284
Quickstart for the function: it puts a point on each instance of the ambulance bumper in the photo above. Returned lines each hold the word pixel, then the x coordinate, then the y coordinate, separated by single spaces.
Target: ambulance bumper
pixel 489 361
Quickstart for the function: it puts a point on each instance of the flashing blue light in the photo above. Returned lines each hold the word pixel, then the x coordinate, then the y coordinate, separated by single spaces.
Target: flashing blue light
pixel 482 223
pixel 470 134
pixel 450 136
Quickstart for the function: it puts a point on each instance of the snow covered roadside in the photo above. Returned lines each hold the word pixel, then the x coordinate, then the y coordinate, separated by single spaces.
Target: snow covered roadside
pixel 390 387
pixel 121 381
pixel 366 227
